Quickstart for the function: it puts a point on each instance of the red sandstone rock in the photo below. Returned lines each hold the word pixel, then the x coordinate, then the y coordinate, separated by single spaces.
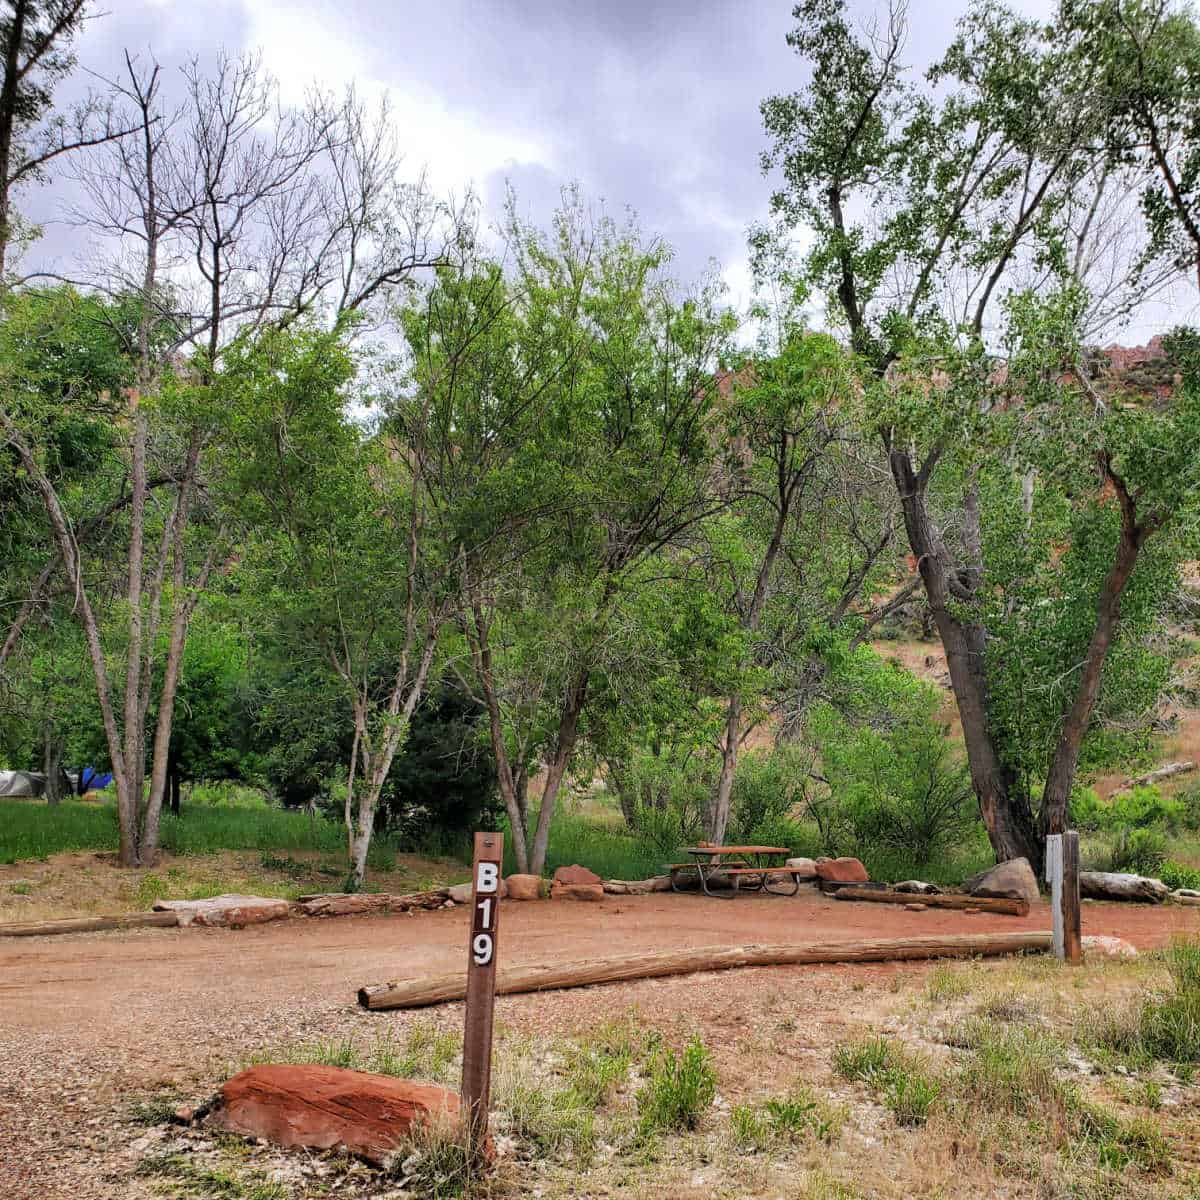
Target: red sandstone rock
pixel 842 870
pixel 524 887
pixel 576 891
pixel 326 1107
pixel 576 874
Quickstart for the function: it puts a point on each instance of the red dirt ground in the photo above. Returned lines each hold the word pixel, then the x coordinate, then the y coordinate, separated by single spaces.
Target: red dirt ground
pixel 91 1022
pixel 106 988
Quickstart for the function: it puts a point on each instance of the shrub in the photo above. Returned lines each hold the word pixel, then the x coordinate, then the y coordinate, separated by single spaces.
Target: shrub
pixel 911 1096
pixel 1140 851
pixel 679 1090
pixel 897 787
pixel 1139 808
pixel 1176 875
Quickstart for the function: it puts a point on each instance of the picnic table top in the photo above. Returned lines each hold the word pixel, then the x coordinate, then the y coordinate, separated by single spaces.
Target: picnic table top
pixel 737 850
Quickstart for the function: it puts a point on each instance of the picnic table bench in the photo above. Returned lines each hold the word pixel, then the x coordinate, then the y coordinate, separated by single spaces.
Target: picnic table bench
pixel 751 865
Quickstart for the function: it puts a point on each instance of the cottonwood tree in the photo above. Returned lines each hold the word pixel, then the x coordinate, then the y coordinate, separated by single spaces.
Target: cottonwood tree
pixel 928 199
pixel 228 214
pixel 625 458
pixel 347 565
pixel 1146 59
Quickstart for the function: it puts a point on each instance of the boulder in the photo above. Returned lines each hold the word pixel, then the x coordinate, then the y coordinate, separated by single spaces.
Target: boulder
pixel 576 891
pixel 460 893
pixel 917 887
pixel 637 887
pixel 804 869
pixel 524 887
pixel 841 870
pixel 1112 885
pixel 226 911
pixel 1110 947
pixel 576 874
pixel 324 1108
pixel 1011 880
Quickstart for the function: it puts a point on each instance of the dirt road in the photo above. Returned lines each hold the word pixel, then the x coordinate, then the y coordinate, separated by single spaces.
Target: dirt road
pixel 88 1021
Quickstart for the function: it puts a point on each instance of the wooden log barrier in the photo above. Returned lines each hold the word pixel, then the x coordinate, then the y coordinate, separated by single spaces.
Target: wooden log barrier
pixel 417 993
pixel 1011 908
pixel 157 920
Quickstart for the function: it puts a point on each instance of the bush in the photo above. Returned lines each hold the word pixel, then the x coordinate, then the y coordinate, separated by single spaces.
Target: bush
pixel 1139 851
pixel 679 1090
pixel 897 790
pixel 1176 875
pixel 1140 808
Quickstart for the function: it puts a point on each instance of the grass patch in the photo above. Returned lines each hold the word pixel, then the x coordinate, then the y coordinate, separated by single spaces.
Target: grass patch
pixel 1164 1026
pixel 793 1118
pixel 899 1078
pixel 30 830
pixel 181 1177
pixel 679 1090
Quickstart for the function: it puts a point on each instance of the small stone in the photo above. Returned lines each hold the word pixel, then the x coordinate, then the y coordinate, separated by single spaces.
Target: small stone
pixel 1111 947
pixel 916 907
pixel 185 1114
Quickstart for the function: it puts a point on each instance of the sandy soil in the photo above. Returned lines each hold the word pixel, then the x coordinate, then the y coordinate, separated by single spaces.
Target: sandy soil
pixel 91 1021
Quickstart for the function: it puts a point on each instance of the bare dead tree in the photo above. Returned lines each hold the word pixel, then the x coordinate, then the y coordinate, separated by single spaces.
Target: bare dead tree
pixel 226 212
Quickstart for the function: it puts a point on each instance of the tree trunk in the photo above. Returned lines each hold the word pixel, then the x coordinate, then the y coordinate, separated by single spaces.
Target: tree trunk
pixel 564 747
pixel 175 786
pixel 52 758
pixel 1060 779
pixel 1004 807
pixel 718 820
pixel 481 652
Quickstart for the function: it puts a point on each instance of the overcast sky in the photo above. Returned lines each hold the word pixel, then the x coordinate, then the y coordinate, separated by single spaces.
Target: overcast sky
pixel 650 104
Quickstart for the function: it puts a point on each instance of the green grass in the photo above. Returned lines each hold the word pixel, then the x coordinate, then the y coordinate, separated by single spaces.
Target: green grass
pixel 610 851
pixel 36 831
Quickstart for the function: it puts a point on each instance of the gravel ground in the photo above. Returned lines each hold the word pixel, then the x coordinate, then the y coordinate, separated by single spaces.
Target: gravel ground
pixel 96 1023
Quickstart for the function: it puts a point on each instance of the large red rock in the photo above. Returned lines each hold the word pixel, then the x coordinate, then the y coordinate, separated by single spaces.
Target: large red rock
pixel 841 870
pixel 576 874
pixel 524 887
pixel 327 1107
pixel 576 891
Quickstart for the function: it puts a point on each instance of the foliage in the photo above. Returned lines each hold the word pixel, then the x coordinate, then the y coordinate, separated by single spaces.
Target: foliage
pixel 892 781
pixel 1139 808
pixel 678 1091
pixel 1138 851
pixel 1176 875
pixel 443 781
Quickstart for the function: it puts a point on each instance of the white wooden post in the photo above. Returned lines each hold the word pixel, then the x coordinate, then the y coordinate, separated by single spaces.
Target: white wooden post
pixel 1054 877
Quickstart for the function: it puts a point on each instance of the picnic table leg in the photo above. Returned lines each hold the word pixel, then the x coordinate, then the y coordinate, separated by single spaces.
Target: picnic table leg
pixel 707 890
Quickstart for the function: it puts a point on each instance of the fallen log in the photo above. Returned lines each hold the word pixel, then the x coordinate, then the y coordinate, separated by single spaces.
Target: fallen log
pixel 1011 908
pixel 344 904
pixel 1167 772
pixel 156 920
pixel 416 993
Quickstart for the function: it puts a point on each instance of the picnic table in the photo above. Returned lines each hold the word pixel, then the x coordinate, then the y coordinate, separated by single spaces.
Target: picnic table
pixel 751 866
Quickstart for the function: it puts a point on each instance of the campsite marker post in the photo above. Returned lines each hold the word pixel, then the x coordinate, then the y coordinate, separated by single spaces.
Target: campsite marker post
pixel 1062 873
pixel 481 983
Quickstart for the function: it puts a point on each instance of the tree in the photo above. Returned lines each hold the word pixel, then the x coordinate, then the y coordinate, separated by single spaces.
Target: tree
pixel 1146 58
pixel 35 47
pixel 280 212
pixel 624 458
pixel 930 205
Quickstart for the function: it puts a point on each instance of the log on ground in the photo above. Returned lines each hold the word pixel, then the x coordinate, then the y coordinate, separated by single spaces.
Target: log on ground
pixel 416 993
pixel 1011 908
pixel 158 920
pixel 342 904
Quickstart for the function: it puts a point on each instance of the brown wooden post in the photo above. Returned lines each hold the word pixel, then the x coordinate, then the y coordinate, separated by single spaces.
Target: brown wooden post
pixel 1072 920
pixel 481 984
